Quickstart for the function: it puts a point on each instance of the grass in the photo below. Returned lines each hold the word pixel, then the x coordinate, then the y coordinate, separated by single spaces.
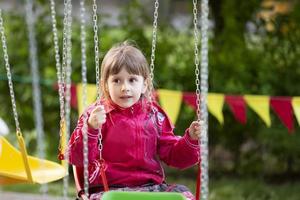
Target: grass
pixel 54 189
pixel 246 189
pixel 253 189
pixel 221 189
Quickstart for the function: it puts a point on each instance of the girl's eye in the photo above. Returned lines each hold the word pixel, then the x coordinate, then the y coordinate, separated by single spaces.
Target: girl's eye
pixel 132 80
pixel 116 80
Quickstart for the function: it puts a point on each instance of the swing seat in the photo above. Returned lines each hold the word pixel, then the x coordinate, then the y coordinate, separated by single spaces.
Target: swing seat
pixel 121 195
pixel 116 195
pixel 16 165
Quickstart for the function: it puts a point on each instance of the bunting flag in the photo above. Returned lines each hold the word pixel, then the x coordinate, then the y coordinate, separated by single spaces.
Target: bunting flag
pixel 296 107
pixel 170 101
pixel 237 106
pixel 283 108
pixel 260 105
pixel 63 144
pixel 190 99
pixel 215 104
pixel 73 90
pixel 73 93
pixel 90 98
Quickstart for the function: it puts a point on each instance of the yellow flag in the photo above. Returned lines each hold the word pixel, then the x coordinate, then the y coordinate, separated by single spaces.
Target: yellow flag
pixel 215 104
pixel 261 105
pixel 296 107
pixel 170 101
pixel 63 143
pixel 91 96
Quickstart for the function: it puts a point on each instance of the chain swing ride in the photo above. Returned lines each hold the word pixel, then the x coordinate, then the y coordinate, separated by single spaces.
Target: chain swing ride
pixel 27 169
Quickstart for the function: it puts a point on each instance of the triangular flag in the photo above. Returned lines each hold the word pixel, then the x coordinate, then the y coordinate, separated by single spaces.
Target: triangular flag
pixel 215 104
pixel 63 144
pixel 260 104
pixel 91 96
pixel 170 101
pixel 283 108
pixel 296 107
pixel 237 106
pixel 73 93
pixel 190 99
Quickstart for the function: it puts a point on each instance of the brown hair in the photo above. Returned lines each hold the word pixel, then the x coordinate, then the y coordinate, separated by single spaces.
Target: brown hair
pixel 124 55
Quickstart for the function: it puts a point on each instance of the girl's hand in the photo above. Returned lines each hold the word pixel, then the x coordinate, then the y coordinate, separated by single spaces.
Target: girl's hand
pixel 194 130
pixel 97 117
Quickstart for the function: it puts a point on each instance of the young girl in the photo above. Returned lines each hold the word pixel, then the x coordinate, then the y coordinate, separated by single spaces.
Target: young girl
pixel 136 133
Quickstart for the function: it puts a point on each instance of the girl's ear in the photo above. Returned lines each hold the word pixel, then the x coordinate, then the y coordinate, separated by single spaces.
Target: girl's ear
pixel 103 86
pixel 145 86
pixel 103 89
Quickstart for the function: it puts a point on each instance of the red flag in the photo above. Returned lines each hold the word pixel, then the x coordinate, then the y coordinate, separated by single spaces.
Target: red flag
pixel 73 93
pixel 237 106
pixel 190 99
pixel 283 108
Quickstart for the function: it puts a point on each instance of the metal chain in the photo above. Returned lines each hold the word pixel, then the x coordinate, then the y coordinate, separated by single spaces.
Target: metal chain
pixel 8 73
pixel 30 20
pixel 96 48
pixel 59 73
pixel 84 96
pixel 61 70
pixel 204 90
pixel 66 70
pixel 196 58
pixel 153 47
pixel 201 90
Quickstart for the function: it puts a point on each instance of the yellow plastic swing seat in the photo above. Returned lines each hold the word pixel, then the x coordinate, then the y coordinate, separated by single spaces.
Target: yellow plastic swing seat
pixel 17 167
pixel 117 195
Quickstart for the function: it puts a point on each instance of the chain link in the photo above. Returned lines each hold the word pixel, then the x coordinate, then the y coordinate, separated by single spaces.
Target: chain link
pixel 37 102
pixel 196 58
pixel 63 73
pixel 204 90
pixel 59 73
pixel 9 77
pixel 153 48
pixel 66 76
pixel 96 48
pixel 84 95
pixel 201 90
pixel 61 83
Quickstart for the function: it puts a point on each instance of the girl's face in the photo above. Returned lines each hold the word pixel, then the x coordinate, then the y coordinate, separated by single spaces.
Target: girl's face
pixel 125 89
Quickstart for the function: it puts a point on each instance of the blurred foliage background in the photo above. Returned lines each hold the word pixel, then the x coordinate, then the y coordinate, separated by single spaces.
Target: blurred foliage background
pixel 250 52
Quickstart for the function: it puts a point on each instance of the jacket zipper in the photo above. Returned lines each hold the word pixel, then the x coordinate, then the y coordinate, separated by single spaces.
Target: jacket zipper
pixel 136 128
pixel 131 109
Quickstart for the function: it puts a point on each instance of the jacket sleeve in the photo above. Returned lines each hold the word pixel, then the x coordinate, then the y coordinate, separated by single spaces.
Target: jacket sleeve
pixel 75 146
pixel 176 151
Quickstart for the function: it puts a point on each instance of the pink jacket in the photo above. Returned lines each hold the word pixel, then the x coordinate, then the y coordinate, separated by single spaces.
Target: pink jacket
pixel 134 140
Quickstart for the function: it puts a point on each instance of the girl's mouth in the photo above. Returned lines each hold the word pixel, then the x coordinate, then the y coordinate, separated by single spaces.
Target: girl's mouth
pixel 125 97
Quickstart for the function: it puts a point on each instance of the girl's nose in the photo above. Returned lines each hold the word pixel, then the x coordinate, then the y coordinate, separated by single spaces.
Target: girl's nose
pixel 125 87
